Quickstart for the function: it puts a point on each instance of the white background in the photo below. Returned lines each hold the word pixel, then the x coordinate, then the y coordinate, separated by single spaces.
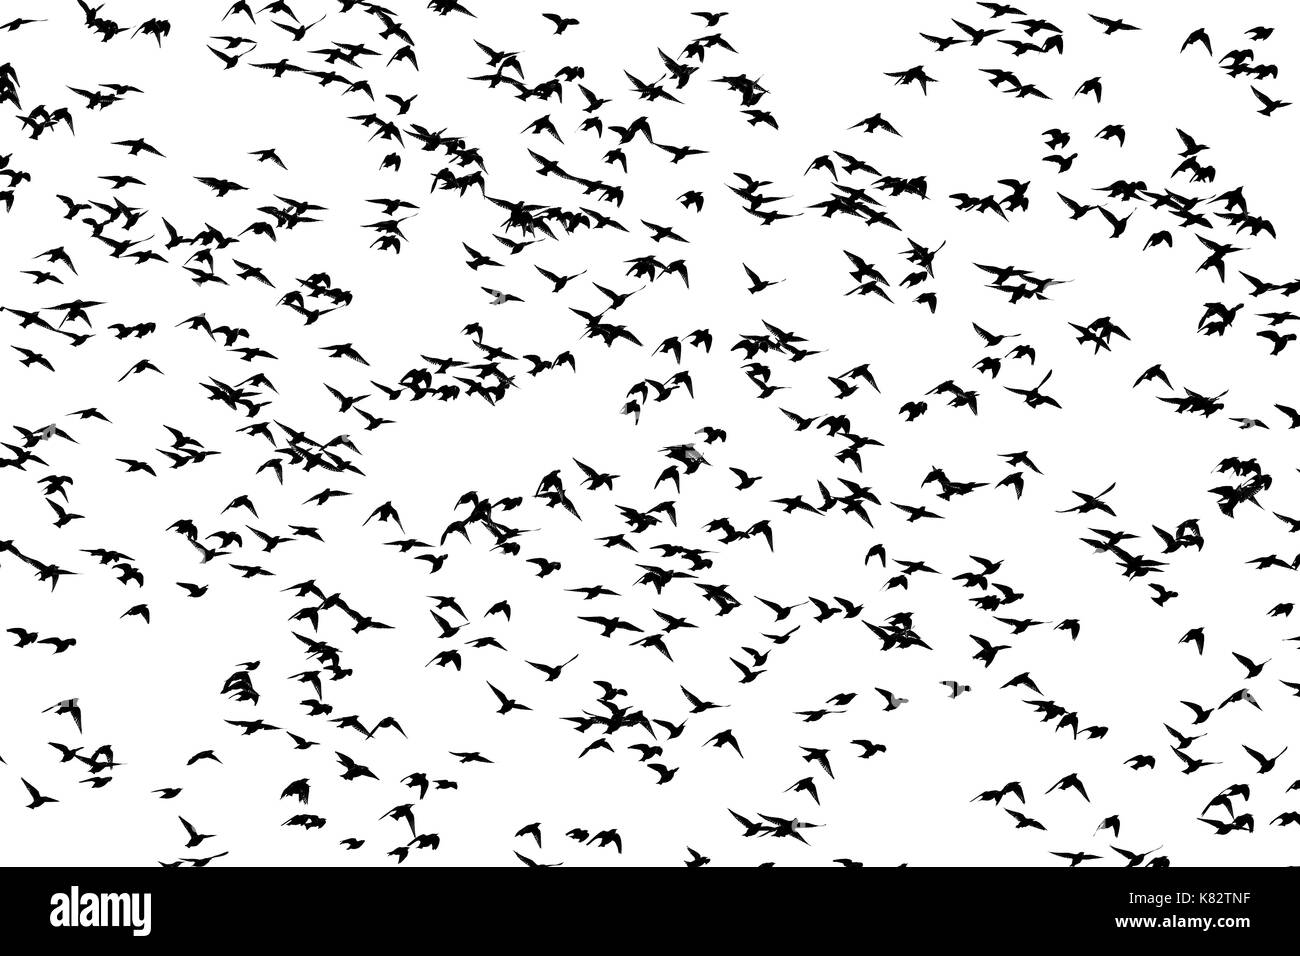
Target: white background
pixel 152 690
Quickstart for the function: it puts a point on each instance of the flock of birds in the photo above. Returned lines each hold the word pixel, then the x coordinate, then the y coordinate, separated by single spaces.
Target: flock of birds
pixel 604 140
